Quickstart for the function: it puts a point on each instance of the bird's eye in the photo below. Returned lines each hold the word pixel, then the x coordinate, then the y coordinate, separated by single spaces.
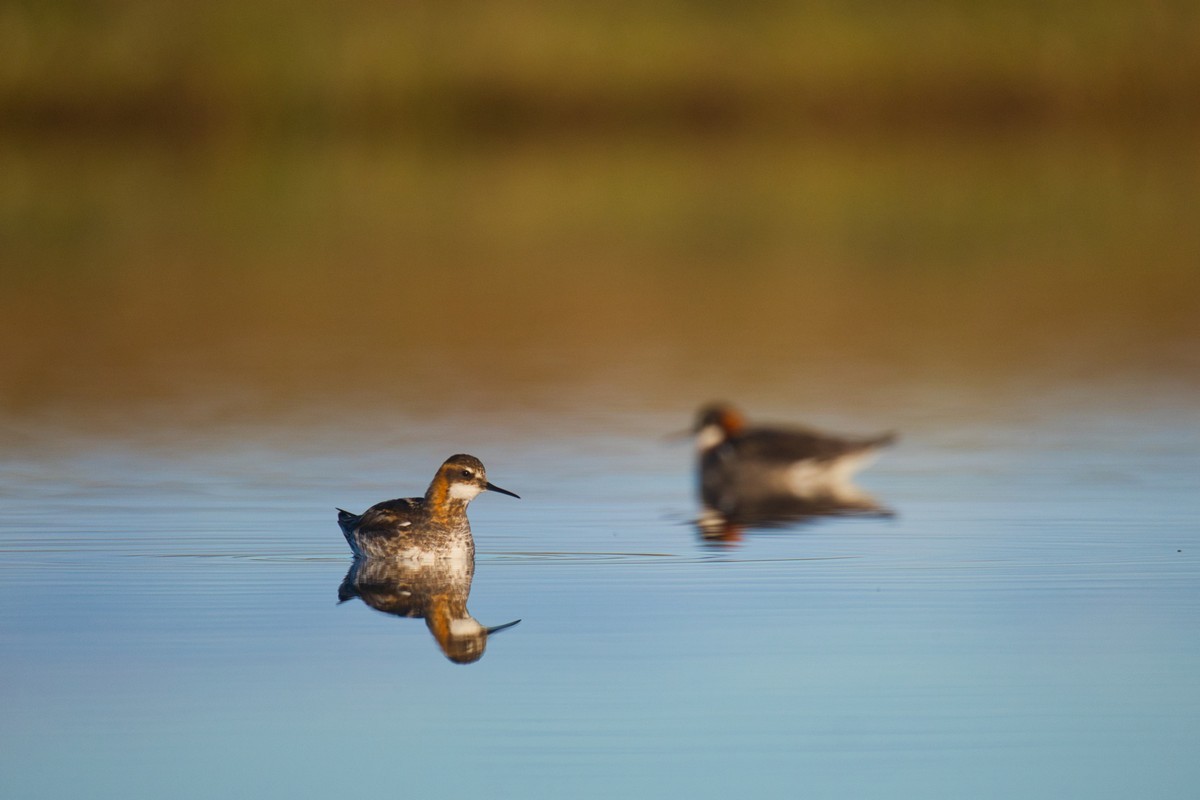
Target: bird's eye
pixel 466 473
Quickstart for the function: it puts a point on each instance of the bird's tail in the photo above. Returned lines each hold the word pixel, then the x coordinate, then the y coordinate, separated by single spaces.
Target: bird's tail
pixel 885 439
pixel 346 520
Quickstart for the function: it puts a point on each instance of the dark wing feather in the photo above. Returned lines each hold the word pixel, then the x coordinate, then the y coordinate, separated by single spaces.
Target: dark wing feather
pixel 765 445
pixel 786 446
pixel 389 518
pixel 347 521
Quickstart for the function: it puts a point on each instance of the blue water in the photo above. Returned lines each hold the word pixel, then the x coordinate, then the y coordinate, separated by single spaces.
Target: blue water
pixel 1027 625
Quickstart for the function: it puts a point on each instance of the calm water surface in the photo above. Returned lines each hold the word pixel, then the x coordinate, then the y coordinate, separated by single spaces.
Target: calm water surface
pixel 209 349
pixel 1025 626
pixel 247 279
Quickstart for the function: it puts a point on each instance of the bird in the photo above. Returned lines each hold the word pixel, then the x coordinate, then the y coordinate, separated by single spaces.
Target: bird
pixel 748 472
pixel 433 526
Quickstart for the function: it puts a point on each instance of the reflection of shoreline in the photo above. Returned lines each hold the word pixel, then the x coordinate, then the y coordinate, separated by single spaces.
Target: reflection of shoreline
pixel 960 316
pixel 435 591
pixel 737 515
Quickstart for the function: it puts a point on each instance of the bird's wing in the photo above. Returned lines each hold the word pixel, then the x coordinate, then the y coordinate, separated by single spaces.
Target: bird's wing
pixel 389 517
pixel 786 446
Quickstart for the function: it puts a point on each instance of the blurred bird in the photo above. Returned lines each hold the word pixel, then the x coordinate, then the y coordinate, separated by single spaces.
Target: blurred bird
pixel 744 468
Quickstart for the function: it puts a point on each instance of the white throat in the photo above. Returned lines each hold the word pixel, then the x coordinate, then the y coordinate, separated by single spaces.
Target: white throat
pixel 465 627
pixel 464 491
pixel 709 437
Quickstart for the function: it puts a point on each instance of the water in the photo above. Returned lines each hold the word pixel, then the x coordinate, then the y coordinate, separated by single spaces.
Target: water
pixel 210 346
pixel 1026 625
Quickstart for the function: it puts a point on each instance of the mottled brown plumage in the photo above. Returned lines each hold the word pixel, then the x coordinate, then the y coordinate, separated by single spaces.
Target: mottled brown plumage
pixel 422 527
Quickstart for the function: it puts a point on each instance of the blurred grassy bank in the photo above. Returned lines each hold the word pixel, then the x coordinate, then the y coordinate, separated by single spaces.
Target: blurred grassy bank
pixel 255 281
pixel 466 70
pixel 241 210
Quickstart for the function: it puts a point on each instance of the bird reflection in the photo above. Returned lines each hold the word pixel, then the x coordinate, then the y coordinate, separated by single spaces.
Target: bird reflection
pixel 760 477
pixel 435 590
pixel 727 523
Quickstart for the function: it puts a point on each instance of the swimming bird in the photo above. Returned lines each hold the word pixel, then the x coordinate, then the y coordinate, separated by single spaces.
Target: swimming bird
pixel 743 469
pixel 426 527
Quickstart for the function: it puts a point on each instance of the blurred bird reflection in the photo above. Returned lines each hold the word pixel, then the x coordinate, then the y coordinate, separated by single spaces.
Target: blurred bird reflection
pixel 436 591
pixel 729 526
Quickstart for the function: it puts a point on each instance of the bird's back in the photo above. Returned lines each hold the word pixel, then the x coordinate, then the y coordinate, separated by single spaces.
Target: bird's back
pixel 766 463
pixel 788 445
pixel 383 525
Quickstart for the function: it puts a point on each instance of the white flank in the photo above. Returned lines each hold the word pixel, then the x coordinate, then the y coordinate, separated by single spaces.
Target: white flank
pixel 809 478
pixel 806 477
pixel 844 468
